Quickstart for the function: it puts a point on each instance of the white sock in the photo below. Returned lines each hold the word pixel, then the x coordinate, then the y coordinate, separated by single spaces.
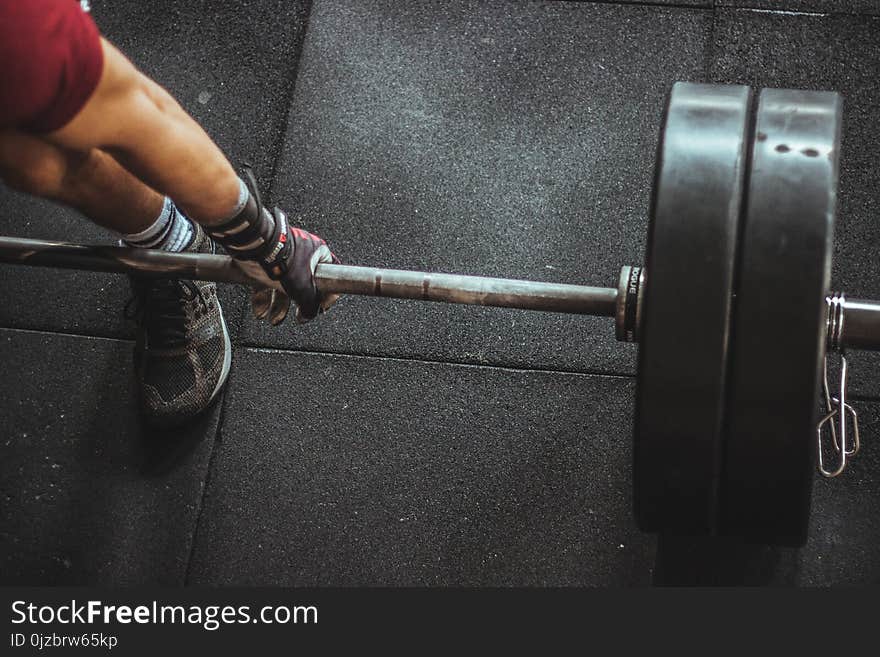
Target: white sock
pixel 243 195
pixel 171 231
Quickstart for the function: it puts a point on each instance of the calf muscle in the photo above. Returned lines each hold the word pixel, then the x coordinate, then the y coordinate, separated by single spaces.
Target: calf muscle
pixel 91 181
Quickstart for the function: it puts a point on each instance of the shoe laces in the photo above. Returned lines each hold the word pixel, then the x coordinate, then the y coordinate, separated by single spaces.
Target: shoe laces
pixel 160 307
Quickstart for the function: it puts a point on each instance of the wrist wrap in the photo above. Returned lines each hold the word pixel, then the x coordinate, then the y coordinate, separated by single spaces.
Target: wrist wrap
pixel 257 234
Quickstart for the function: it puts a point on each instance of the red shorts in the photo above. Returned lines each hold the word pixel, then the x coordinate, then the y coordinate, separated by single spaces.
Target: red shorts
pixel 50 63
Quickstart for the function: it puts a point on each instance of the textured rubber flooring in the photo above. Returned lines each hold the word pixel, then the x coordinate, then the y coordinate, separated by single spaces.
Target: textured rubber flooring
pixel 502 139
pixel 87 494
pixel 394 472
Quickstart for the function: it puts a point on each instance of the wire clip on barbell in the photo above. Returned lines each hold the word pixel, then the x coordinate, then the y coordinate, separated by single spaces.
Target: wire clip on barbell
pixel 837 409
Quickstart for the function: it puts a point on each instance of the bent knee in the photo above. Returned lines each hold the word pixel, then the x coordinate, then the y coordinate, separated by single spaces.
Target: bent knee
pixel 29 164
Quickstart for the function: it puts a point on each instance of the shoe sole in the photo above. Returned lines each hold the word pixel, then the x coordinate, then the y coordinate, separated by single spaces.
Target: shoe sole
pixel 227 357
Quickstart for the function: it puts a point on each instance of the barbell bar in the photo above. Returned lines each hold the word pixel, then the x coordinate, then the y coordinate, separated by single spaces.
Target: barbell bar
pixel 860 330
pixel 734 297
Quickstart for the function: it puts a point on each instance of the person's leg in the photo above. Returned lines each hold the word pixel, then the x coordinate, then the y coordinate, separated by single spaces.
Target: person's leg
pixel 59 123
pixel 183 351
pixel 90 181
pixel 94 183
pixel 147 131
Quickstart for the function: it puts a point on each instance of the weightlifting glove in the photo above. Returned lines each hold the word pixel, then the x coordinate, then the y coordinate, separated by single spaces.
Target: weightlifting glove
pixel 286 255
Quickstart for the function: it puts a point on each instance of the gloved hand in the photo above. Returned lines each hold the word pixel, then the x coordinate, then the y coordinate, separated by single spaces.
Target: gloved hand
pixel 272 302
pixel 282 258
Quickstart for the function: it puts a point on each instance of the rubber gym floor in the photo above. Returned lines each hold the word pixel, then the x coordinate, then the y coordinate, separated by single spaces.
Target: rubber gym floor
pixel 400 443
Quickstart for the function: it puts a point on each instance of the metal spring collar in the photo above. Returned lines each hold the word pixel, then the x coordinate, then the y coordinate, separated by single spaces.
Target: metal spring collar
pixel 837 409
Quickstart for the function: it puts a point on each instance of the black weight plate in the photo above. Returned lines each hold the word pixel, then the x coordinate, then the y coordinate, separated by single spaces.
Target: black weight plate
pixel 778 331
pixel 689 264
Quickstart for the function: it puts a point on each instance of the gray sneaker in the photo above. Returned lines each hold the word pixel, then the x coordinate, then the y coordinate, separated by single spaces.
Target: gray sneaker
pixel 183 353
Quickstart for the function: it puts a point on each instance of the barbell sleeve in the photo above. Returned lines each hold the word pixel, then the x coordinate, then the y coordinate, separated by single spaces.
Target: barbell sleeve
pixel 861 325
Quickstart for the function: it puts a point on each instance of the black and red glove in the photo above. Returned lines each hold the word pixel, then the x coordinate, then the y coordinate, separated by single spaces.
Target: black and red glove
pixel 288 256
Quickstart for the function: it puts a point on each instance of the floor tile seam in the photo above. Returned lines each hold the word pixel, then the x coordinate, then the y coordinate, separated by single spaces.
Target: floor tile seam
pixel 200 507
pixel 794 12
pixel 67 333
pixel 647 3
pixel 428 361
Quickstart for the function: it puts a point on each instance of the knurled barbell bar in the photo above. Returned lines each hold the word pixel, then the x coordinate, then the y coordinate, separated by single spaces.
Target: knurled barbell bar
pixel 860 331
pixel 732 310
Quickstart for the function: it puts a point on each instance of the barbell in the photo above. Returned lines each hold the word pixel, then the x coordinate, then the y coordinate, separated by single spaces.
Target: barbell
pixel 732 310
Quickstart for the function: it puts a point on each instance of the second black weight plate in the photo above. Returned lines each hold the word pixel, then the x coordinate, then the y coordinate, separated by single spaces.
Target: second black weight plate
pixel 779 317
pixel 683 343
